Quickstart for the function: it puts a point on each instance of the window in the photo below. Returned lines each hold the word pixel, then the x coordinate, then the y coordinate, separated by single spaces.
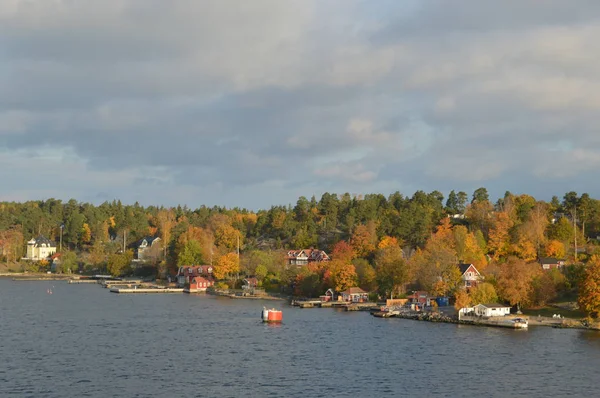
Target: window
pixel 546 266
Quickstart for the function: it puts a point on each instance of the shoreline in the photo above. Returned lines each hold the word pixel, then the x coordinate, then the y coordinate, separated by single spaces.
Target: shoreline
pixel 564 323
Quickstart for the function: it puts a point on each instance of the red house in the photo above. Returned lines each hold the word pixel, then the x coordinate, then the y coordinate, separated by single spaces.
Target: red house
pixel 469 274
pixel 420 297
pixel 551 263
pixel 187 272
pixel 200 284
pixel 249 283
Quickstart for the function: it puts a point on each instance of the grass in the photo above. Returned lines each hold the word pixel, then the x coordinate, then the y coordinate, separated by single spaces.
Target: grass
pixel 549 311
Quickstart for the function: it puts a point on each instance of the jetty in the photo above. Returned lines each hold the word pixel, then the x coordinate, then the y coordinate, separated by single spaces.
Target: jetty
pixel 145 290
pixel 348 306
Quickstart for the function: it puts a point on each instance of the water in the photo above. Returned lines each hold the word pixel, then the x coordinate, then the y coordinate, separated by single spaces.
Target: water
pixel 82 341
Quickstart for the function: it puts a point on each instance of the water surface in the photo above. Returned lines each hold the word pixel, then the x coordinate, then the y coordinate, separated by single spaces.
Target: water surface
pixel 84 341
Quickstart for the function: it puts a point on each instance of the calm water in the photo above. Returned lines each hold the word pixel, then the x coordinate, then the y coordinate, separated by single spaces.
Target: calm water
pixel 84 341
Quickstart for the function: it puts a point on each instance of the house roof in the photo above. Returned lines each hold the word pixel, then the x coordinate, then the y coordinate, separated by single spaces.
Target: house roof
pixel 494 305
pixel 149 239
pixel 311 254
pixel 41 239
pixel 464 267
pixel 550 260
pixel 354 290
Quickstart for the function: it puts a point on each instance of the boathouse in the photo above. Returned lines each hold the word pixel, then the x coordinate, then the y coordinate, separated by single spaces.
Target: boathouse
pixel 491 309
pixel 200 284
pixel 355 295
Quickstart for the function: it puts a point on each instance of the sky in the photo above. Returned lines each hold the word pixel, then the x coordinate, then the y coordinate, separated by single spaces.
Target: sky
pixel 256 103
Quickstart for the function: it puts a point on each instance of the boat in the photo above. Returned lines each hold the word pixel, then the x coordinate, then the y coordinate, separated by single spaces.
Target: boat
pixel 271 315
pixel 520 323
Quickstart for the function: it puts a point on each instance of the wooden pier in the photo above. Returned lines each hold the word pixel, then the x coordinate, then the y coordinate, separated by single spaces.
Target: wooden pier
pixel 335 304
pixel 89 281
pixel 145 290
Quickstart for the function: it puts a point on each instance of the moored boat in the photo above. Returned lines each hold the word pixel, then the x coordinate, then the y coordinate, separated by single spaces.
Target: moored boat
pixel 271 315
pixel 520 323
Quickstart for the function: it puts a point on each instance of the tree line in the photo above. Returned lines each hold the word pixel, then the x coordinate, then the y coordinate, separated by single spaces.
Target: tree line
pixel 390 245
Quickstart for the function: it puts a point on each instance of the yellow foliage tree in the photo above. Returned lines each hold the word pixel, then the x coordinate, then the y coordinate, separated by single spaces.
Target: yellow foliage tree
pixel 226 237
pixel 525 249
pixel 86 233
pixel 499 241
pixel 226 265
pixel 555 248
pixel 387 241
pixel 340 275
pixel 461 299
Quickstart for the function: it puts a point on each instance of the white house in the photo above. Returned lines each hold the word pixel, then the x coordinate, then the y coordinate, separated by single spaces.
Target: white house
pixel 40 248
pixel 491 310
pixel 144 251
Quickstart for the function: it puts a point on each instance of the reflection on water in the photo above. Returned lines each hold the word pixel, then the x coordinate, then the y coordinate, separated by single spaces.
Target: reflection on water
pixel 84 341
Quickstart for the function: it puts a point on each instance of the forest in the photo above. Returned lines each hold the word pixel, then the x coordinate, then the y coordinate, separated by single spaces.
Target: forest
pixel 386 245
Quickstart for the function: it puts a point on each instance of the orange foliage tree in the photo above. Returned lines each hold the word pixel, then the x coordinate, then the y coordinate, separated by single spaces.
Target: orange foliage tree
pixel 589 290
pixel 363 239
pixel 340 275
pixel 515 281
pixel 387 241
pixel 555 248
pixel 499 241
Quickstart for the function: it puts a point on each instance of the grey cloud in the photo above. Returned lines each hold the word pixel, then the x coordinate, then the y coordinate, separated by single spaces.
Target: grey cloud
pixel 254 103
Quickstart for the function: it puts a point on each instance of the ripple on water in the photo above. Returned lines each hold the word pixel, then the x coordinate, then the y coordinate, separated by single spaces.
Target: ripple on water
pixel 94 344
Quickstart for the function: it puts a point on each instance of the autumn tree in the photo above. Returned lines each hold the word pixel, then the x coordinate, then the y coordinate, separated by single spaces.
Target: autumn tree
pixel 435 266
pixel 468 250
pixel 555 248
pixel 227 237
pixel 515 281
pixel 226 265
pixel 392 272
pixel 261 271
pixel 86 233
pixel 387 241
pixel 479 216
pixel 483 293
pixel 340 275
pixel 546 286
pixel 119 264
pixel 499 241
pixel 190 253
pixel 589 289
pixel 461 299
pixel 166 222
pixel 343 251
pixel 97 253
pixel 367 278
pixel 364 239
pixel 68 262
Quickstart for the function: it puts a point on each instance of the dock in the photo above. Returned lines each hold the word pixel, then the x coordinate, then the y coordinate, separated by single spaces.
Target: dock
pixel 76 281
pixel 145 290
pixel 348 306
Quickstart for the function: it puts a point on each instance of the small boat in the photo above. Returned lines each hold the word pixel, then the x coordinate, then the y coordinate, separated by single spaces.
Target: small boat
pixel 520 323
pixel 271 316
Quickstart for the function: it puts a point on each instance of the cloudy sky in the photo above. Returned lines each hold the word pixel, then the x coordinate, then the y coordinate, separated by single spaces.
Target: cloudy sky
pixel 254 103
